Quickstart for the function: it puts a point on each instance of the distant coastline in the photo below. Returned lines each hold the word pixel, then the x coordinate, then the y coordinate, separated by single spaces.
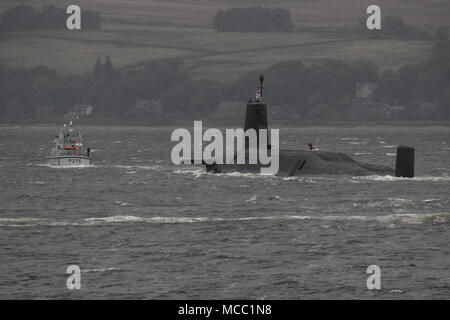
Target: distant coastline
pixel 230 123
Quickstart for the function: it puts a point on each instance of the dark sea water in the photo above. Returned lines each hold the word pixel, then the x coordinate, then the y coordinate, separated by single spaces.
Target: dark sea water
pixel 140 227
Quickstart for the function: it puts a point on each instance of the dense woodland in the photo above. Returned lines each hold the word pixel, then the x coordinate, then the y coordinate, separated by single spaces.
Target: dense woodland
pixel 393 27
pixel 256 19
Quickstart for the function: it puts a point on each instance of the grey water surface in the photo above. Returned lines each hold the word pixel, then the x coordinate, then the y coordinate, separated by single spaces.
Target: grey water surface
pixel 140 227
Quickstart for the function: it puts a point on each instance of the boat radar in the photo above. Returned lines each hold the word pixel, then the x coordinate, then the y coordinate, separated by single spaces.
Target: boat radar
pixel 311 162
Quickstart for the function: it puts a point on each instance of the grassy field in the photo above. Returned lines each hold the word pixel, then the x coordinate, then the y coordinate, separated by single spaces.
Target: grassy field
pixel 138 31
pixel 304 12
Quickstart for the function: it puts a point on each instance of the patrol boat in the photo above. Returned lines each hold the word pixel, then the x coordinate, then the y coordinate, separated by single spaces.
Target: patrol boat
pixel 68 149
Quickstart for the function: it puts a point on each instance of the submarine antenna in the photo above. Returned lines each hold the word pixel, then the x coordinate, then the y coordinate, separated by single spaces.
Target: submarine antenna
pixel 261 87
pixel 256 113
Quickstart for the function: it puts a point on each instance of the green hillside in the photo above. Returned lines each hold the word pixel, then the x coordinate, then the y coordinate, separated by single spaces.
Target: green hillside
pixel 138 31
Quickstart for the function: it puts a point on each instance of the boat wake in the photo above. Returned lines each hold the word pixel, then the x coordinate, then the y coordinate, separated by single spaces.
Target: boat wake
pixel 392 178
pixel 46 165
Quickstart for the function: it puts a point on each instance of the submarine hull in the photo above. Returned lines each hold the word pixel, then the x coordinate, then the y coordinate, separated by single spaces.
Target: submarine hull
pixel 296 162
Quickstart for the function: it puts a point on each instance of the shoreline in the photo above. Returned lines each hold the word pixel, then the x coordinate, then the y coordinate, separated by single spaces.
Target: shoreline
pixel 231 123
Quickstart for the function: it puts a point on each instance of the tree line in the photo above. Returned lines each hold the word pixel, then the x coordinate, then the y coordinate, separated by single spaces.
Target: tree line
pixel 327 90
pixel 111 91
pixel 324 90
pixel 255 19
pixel 26 17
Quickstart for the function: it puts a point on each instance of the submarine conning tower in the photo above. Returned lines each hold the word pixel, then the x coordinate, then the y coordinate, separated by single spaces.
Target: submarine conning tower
pixel 295 162
pixel 256 113
pixel 404 164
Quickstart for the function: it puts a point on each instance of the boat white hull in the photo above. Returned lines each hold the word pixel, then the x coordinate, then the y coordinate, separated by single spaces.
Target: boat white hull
pixel 68 161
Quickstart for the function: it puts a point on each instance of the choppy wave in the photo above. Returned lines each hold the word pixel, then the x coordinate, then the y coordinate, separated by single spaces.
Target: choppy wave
pixel 386 146
pixel 2 220
pixel 431 200
pixel 100 270
pixel 301 179
pixel 241 174
pixel 135 167
pixel 121 203
pixel 128 167
pixel 202 172
pixel 399 217
pixel 391 202
pixel 392 178
pixel 195 172
pixel 314 179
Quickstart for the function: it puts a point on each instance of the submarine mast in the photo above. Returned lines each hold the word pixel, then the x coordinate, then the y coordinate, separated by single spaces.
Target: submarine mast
pixel 256 114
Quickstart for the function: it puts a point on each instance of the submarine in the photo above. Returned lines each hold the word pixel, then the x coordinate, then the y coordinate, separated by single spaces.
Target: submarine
pixel 310 162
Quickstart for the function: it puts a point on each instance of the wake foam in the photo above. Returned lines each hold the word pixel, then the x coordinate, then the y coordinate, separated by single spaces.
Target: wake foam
pixel 202 172
pixel 409 218
pixel 135 167
pixel 392 178
pixel 75 166
pixel 100 270
pixel 401 217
